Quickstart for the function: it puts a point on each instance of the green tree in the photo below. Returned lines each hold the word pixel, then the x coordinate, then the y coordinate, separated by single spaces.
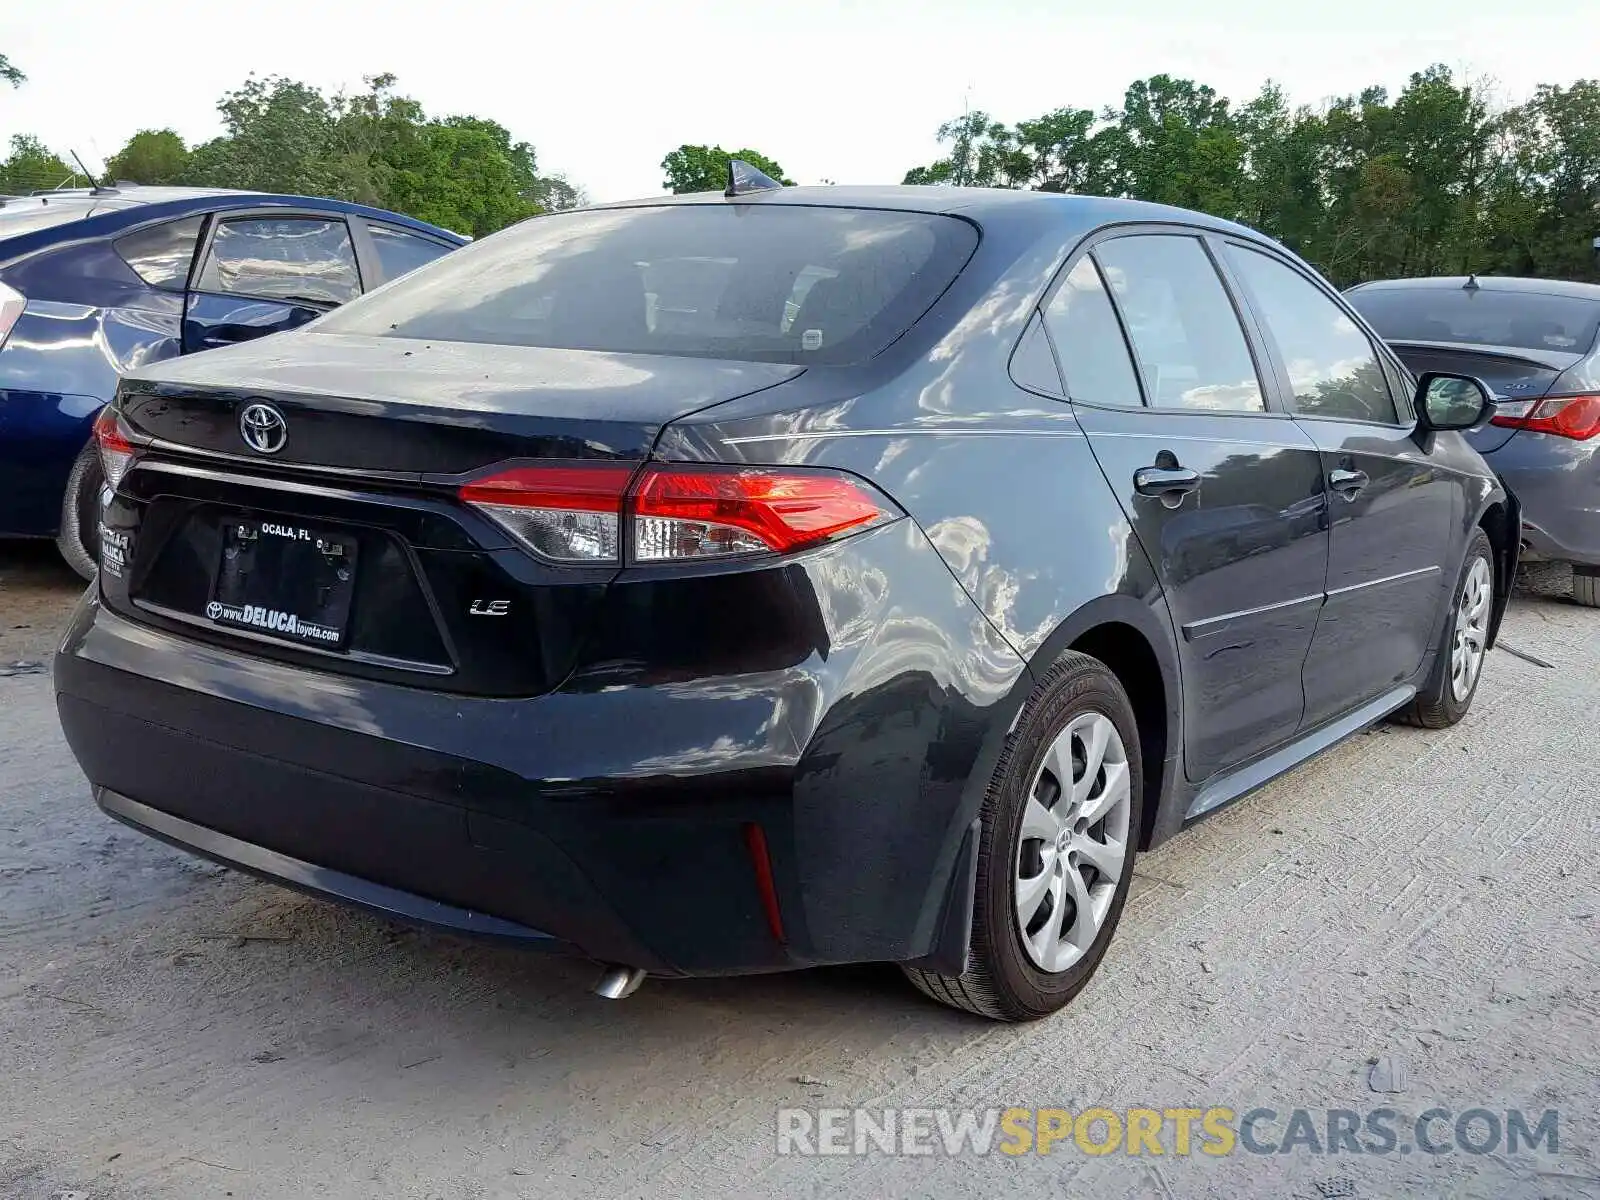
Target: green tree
pixel 1061 151
pixel 705 168
pixel 1430 181
pixel 10 73
pixel 1405 183
pixel 153 156
pixel 1441 135
pixel 1543 195
pixel 983 153
pixel 472 178
pixel 278 139
pixel 30 166
pixel 376 147
pixel 553 193
pixel 1176 143
pixel 377 139
pixel 1282 194
pixel 1067 152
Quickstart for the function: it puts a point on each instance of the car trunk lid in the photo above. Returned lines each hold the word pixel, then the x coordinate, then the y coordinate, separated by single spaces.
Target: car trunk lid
pixel 349 548
pixel 394 407
pixel 1514 375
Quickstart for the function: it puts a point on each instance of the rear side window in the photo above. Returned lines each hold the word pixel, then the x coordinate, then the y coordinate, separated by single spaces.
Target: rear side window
pixel 283 258
pixel 1332 367
pixel 763 282
pixel 1481 316
pixel 399 252
pixel 1094 357
pixel 1192 350
pixel 1033 364
pixel 162 254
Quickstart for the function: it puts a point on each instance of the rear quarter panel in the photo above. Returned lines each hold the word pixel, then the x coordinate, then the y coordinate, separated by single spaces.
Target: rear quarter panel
pixel 57 369
pixel 1000 479
pixel 1557 481
pixel 1002 483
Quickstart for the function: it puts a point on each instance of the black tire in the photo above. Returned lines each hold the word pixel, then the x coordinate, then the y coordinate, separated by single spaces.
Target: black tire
pixel 1436 705
pixel 79 537
pixel 1001 981
pixel 1586 586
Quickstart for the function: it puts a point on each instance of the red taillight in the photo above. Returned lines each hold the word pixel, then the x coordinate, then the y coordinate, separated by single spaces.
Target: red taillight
pixel 1576 417
pixel 708 512
pixel 568 512
pixel 116 451
pixel 577 513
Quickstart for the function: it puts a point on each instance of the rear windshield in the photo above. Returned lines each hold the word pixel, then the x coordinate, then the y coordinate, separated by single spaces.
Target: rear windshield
pixel 1484 317
pixel 770 283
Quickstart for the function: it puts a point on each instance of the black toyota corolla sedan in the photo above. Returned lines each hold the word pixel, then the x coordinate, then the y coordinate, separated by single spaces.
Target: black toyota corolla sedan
pixel 748 581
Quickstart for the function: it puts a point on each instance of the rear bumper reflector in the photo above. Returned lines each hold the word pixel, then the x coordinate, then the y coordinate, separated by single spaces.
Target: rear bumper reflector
pixel 755 841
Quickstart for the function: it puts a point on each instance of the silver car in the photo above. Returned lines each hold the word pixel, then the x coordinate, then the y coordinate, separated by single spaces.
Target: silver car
pixel 1536 343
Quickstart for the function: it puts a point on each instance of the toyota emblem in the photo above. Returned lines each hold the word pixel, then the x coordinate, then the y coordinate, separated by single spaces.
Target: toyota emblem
pixel 263 428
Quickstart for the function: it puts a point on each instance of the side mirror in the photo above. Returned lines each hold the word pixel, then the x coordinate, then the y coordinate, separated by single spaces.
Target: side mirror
pixel 1445 401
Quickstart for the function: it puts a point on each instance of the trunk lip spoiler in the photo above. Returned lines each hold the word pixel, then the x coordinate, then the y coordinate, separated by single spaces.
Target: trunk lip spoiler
pixel 1551 360
pixel 182 450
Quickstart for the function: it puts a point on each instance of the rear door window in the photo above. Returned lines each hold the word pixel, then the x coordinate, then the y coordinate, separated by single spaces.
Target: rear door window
pixel 1332 366
pixel 1094 356
pixel 774 282
pixel 399 252
pixel 1191 348
pixel 300 259
pixel 162 254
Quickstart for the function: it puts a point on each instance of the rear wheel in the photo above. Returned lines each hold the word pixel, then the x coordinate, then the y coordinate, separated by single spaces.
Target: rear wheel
pixel 79 538
pixel 1458 662
pixel 1061 822
pixel 1586 586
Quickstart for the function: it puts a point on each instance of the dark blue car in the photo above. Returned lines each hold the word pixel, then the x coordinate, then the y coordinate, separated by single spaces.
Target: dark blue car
pixel 96 282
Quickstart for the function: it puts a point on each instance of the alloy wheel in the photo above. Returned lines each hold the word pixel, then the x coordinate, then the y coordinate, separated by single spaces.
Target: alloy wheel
pixel 1073 847
pixel 1472 629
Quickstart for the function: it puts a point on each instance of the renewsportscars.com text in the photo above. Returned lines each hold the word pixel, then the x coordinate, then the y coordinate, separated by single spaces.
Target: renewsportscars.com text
pixel 1179 1132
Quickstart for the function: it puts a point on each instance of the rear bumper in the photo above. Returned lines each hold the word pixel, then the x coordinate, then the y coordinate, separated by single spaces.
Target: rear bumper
pixel 380 846
pixel 315 880
pixel 1557 481
pixel 612 822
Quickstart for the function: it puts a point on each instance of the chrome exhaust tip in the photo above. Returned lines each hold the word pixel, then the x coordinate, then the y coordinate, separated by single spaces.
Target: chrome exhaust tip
pixel 616 982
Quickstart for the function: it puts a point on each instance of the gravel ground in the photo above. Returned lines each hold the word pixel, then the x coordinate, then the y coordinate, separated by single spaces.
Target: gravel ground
pixel 36 591
pixel 169 1029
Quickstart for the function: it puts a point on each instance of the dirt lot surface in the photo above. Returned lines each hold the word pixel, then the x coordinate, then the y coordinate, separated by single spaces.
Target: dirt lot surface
pixel 169 1029
pixel 36 590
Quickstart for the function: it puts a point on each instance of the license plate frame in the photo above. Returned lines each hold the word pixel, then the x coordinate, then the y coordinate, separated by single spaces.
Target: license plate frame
pixel 284 579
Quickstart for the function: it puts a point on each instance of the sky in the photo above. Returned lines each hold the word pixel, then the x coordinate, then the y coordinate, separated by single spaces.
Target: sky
pixel 833 90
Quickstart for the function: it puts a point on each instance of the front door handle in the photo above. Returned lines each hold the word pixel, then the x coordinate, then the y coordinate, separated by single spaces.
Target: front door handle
pixel 1170 484
pixel 1347 483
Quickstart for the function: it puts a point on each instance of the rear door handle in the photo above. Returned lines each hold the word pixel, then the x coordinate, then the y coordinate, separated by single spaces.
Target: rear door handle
pixel 1347 483
pixel 1171 484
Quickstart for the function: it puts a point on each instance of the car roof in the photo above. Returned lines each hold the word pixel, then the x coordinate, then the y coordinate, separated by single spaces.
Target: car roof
pixel 1487 283
pixel 106 199
pixel 984 205
pixel 136 204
